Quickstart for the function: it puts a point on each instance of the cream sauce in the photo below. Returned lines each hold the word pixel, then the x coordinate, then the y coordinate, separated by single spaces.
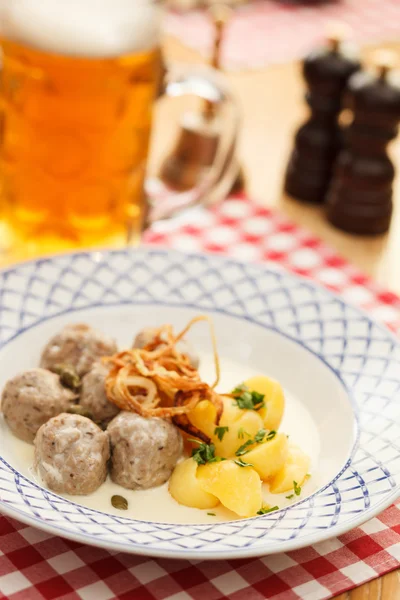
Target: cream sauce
pixel 156 504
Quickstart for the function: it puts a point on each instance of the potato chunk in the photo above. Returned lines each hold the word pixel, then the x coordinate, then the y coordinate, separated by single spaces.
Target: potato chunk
pixel 274 400
pixel 242 424
pixel 238 421
pixel 203 417
pixel 238 488
pixel 269 457
pixel 186 489
pixel 295 469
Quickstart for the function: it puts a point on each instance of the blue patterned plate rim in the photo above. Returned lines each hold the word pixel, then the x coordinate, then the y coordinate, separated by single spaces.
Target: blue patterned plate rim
pixel 150 250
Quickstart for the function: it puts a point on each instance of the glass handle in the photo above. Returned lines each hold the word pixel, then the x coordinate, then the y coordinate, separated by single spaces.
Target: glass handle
pixel 220 119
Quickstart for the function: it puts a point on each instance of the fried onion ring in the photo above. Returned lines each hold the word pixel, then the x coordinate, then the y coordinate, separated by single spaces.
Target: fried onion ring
pixel 159 381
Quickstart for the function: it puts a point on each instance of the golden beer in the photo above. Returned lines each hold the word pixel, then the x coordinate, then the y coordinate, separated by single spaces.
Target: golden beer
pixel 75 135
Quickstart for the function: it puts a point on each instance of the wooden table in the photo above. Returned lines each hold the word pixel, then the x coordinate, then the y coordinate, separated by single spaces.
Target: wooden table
pixel 272 108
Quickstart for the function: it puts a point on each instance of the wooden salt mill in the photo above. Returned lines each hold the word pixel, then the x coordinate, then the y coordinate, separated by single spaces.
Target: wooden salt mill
pixel 200 131
pixel 360 196
pixel 317 143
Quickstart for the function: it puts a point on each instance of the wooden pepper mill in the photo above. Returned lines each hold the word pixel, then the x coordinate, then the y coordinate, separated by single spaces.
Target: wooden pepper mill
pixel 360 196
pixel 317 143
pixel 200 132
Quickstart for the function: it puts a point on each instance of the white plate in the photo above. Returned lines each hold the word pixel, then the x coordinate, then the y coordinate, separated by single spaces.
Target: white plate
pixel 339 369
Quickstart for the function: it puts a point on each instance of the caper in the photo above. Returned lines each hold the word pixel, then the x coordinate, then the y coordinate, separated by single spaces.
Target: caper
pixel 119 502
pixel 59 368
pixel 69 378
pixel 79 410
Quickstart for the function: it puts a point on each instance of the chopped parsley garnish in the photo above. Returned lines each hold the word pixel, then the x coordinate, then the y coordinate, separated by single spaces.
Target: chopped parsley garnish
pixel 250 401
pixel 296 488
pixel 239 389
pixel 242 463
pixel 260 435
pixel 244 448
pixel 205 453
pixel 242 433
pixel 265 510
pixel 247 400
pixel 290 496
pixel 220 432
pixel 212 514
pixel 258 439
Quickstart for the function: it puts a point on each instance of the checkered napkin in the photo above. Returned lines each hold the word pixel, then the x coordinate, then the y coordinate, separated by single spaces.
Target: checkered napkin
pixel 261 32
pixel 35 565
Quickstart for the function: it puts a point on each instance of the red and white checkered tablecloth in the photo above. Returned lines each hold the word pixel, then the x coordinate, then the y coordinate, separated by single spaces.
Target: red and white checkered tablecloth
pixel 35 565
pixel 274 31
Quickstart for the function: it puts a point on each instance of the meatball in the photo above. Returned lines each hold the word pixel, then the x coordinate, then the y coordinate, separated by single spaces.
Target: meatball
pixel 93 394
pixel 32 398
pixel 144 451
pixel 78 345
pixel 71 454
pixel 147 335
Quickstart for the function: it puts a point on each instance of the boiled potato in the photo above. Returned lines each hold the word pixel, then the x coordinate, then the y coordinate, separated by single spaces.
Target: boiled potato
pixel 248 421
pixel 238 488
pixel 295 469
pixel 185 488
pixel 203 417
pixel 231 412
pixel 274 400
pixel 269 457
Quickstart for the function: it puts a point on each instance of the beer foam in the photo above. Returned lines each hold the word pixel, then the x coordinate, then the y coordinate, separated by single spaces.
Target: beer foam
pixel 88 28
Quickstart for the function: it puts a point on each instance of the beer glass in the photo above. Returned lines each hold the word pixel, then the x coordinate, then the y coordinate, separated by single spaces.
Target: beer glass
pixel 78 84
